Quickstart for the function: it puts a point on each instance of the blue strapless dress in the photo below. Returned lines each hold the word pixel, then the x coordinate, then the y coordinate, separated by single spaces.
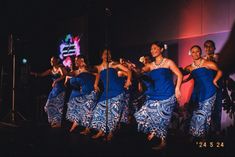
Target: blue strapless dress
pixel 82 99
pixel 204 95
pixel 115 98
pixel 55 102
pixel 155 115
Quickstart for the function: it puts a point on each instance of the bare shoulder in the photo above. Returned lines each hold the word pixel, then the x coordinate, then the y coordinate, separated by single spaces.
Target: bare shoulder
pixel 207 62
pixel 210 64
pixel 169 62
pixel 188 68
pixel 98 67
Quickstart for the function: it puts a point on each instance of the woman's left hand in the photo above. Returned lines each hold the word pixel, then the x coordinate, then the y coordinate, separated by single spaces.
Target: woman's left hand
pixel 53 84
pixel 127 84
pixel 215 83
pixel 177 94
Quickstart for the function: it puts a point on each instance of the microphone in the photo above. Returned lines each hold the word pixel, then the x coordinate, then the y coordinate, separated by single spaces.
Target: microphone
pixel 108 12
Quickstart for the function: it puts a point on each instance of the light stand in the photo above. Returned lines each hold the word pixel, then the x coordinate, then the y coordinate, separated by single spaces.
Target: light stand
pixel 11 117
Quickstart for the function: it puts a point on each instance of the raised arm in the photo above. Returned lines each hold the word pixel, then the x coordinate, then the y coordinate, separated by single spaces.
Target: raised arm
pixel 45 73
pixel 129 75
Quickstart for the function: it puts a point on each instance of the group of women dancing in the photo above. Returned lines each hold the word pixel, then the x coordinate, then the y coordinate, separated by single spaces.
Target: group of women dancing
pixel 148 94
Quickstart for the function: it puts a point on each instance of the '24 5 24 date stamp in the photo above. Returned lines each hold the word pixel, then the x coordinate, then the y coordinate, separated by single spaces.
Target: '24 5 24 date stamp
pixel 210 144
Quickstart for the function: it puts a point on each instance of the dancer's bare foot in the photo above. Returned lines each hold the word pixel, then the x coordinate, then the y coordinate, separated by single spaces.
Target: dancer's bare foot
pixel 150 136
pixel 98 135
pixel 54 125
pixel 75 124
pixel 110 136
pixel 85 132
pixel 160 146
pixel 119 126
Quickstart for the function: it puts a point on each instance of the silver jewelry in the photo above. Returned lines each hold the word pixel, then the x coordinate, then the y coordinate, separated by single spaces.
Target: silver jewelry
pixel 158 65
pixel 197 65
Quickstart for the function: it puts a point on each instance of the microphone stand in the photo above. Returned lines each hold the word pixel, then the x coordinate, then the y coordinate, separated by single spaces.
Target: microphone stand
pixel 107 14
pixel 107 90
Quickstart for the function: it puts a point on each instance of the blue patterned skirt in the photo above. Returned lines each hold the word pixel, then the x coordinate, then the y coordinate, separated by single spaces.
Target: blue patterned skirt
pixel 54 108
pixel 80 109
pixel 125 109
pixel 115 106
pixel 201 119
pixel 154 116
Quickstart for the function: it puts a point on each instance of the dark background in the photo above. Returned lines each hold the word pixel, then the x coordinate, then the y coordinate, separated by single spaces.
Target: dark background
pixel 38 26
pixel 127 29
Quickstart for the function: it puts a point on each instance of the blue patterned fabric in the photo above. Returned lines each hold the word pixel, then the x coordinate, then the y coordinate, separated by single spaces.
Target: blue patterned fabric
pixel 115 99
pixel 155 115
pixel 140 98
pixel 125 107
pixel 55 102
pixel 82 102
pixel 80 109
pixel 114 114
pixel 201 119
pixel 74 82
pixel 204 95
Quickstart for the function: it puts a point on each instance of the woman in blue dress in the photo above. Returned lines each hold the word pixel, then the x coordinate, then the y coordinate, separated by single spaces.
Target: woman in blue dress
pixel 55 101
pixel 83 97
pixel 113 95
pixel 204 92
pixel 154 116
pixel 209 47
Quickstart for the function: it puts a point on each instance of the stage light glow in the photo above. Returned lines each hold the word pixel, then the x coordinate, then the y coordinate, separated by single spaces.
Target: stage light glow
pixel 69 47
pixel 24 60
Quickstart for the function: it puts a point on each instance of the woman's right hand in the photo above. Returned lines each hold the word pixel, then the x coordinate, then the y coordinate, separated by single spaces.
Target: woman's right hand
pixel 34 74
pixel 96 88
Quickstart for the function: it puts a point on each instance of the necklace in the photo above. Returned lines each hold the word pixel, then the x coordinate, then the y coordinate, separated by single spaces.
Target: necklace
pixel 81 70
pixel 159 64
pixel 197 65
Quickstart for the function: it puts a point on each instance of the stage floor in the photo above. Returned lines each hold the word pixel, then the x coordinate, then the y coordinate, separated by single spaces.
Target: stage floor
pixel 38 139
